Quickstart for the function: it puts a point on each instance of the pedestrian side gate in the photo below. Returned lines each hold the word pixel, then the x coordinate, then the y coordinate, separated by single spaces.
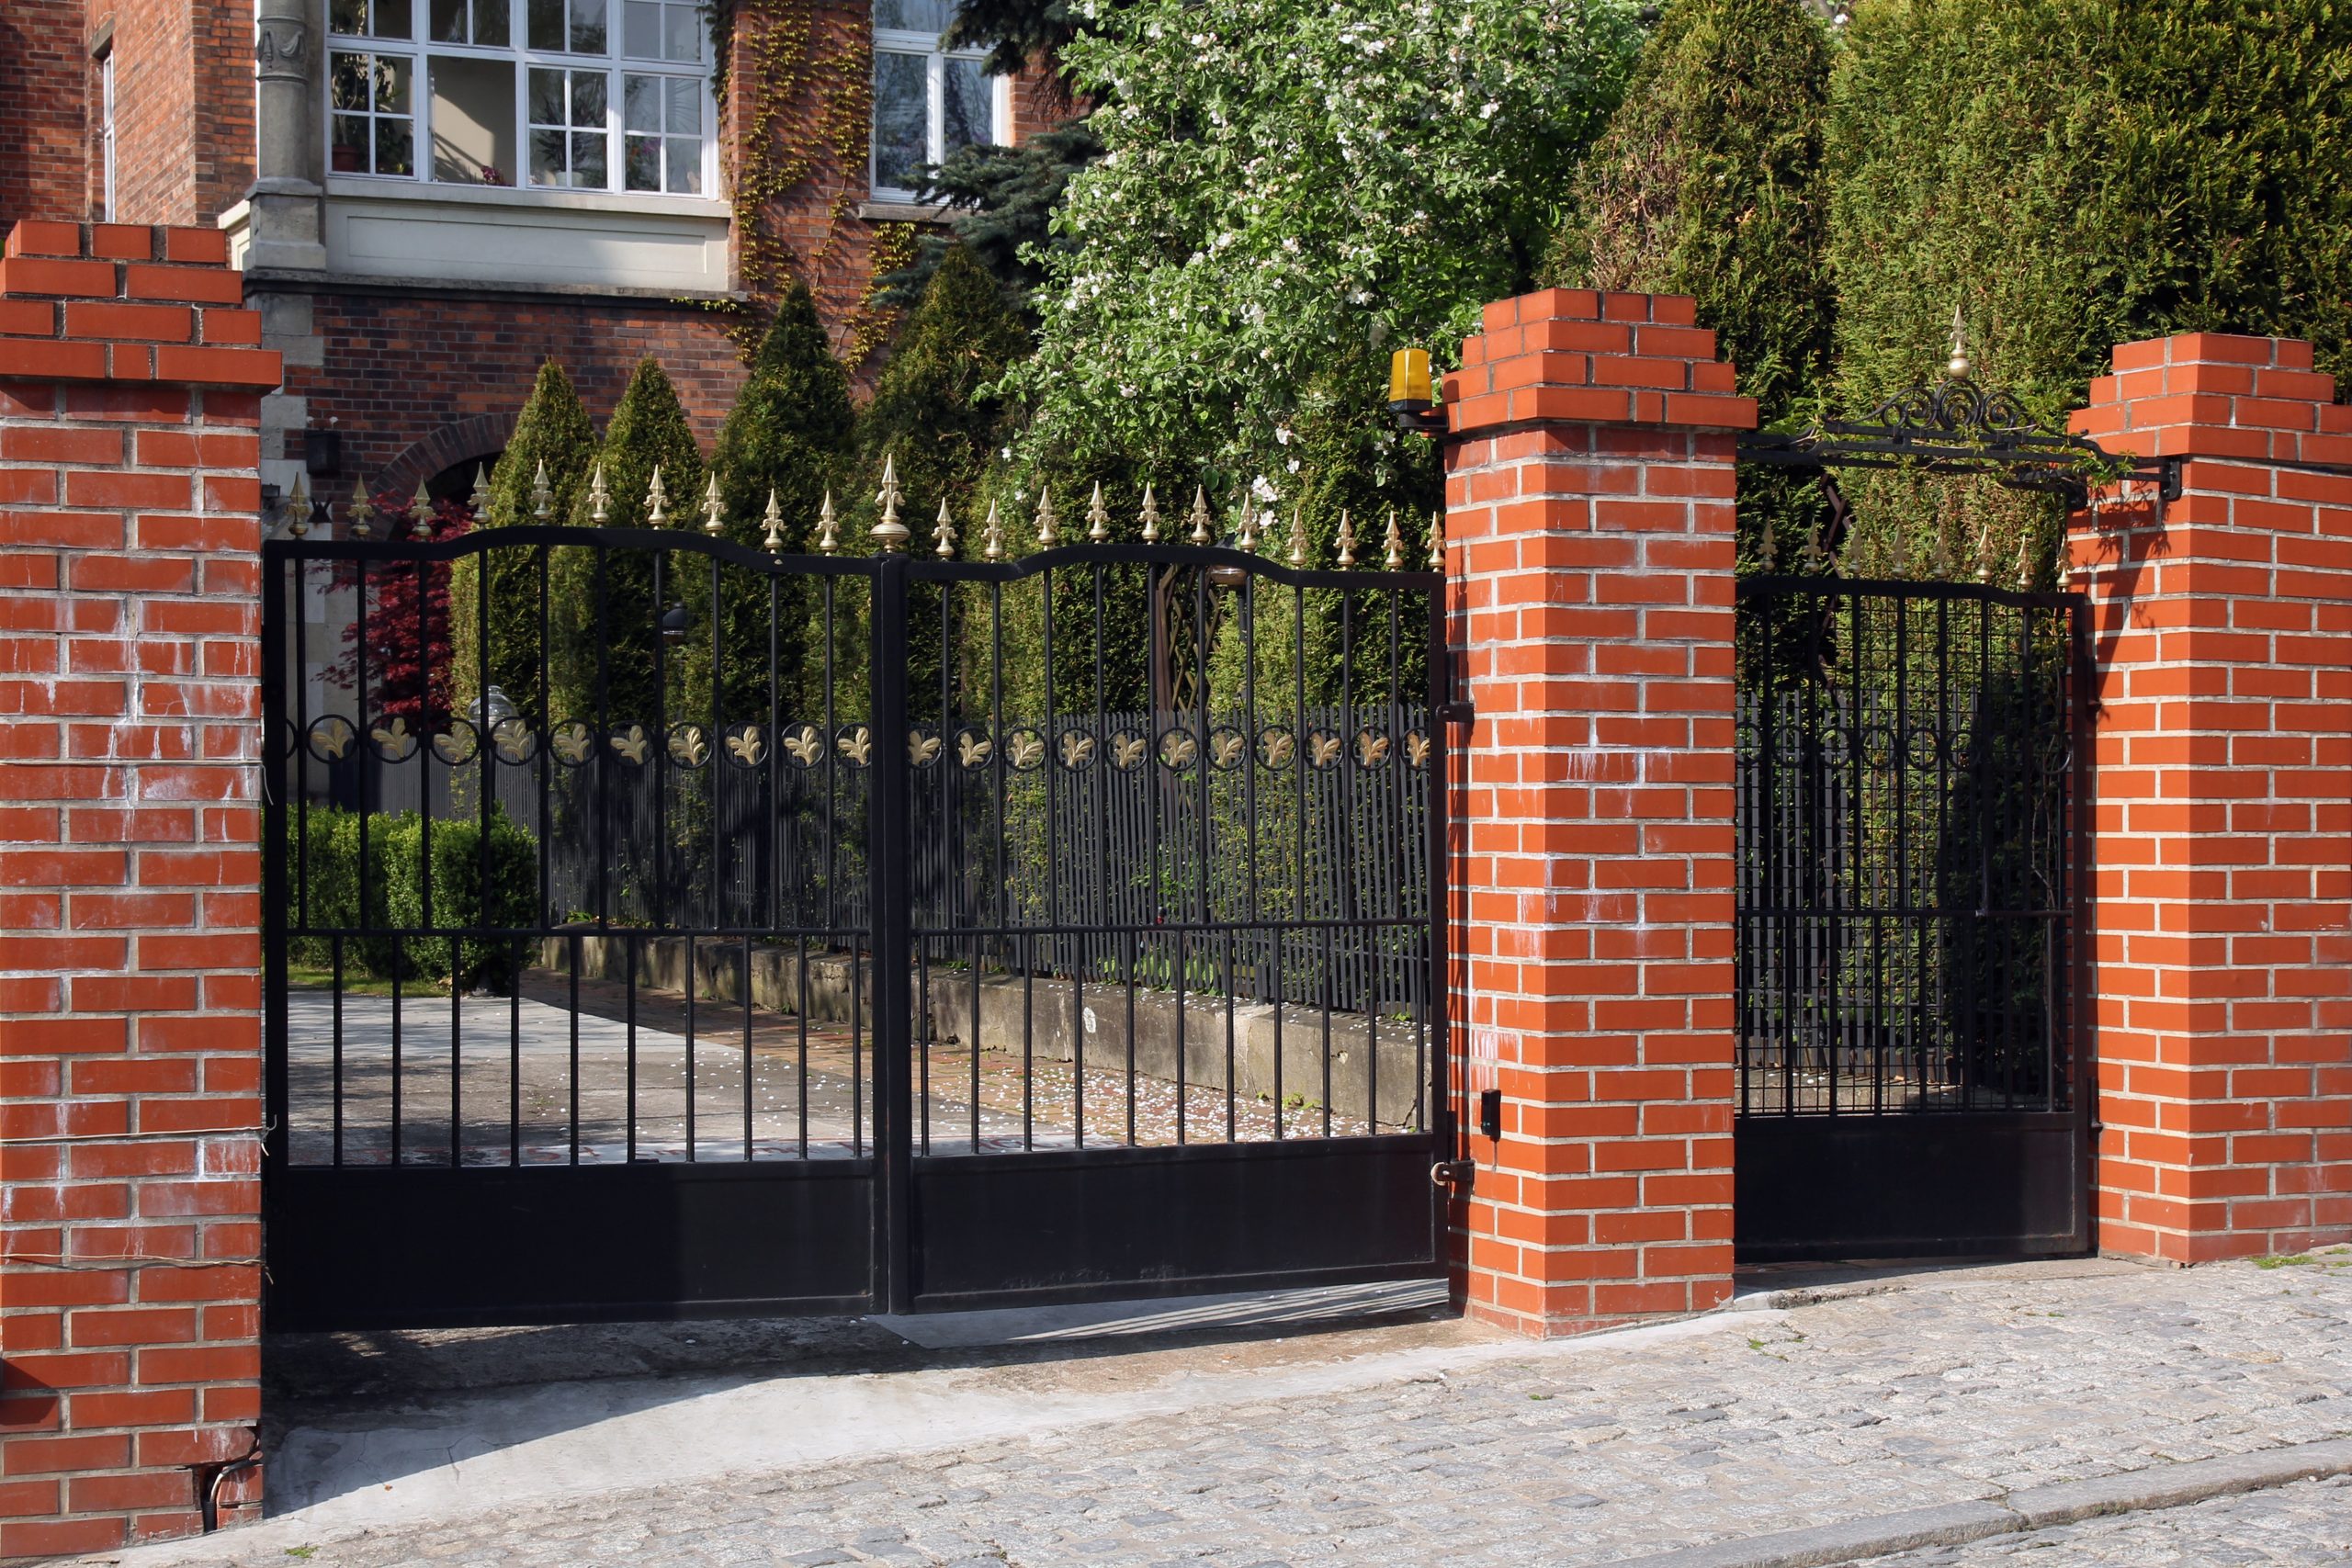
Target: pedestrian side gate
pixel 660 926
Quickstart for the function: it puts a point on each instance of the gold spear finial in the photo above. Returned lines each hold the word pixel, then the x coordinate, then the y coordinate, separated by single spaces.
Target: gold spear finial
pixel 1943 549
pixel 1204 530
pixel 1151 516
pixel 773 518
pixel 1347 539
pixel 420 510
pixel 2025 564
pixel 357 511
pixel 1436 541
pixel 1297 534
pixel 1049 524
pixel 889 532
pixel 1393 554
pixel 1902 564
pixel 944 533
pixel 478 500
pixel 828 526
pixel 1245 538
pixel 2064 574
pixel 713 510
pixel 1985 552
pixel 1813 559
pixel 656 501
pixel 542 497
pixel 992 536
pixel 298 508
pixel 1958 364
pixel 1098 517
pixel 1767 548
pixel 600 495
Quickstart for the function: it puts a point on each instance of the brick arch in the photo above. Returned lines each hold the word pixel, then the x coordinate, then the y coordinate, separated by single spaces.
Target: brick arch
pixel 479 439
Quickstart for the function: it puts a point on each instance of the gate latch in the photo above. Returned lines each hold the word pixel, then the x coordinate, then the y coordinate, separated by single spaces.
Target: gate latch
pixel 1453 1173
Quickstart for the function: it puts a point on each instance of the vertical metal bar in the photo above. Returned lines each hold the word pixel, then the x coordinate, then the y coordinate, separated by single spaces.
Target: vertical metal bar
pixel 629 945
pixel 1438 986
pixel 889 900
pixel 694 984
pixel 277 1134
pixel 579 956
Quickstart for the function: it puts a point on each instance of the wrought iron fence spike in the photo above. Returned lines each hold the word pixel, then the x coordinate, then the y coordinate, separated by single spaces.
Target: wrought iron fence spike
pixel 992 536
pixel 1098 517
pixel 2064 574
pixel 297 509
pixel 1204 531
pixel 1436 541
pixel 478 498
pixel 600 495
pixel 2025 564
pixel 713 510
pixel 1347 540
pixel 889 532
pixel 1297 533
pixel 1150 515
pixel 1985 552
pixel 829 528
pixel 420 510
pixel 356 512
pixel 1393 554
pixel 944 533
pixel 542 496
pixel 656 501
pixel 1049 524
pixel 773 518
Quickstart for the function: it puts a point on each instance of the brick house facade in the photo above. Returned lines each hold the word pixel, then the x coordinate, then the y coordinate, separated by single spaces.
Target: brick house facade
pixel 413 310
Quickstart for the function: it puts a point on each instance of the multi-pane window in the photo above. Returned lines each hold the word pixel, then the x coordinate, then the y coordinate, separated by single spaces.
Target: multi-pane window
pixel 928 101
pixel 570 94
pixel 105 133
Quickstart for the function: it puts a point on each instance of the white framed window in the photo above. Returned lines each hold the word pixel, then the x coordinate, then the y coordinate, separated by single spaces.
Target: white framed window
pixel 928 101
pixel 557 94
pixel 105 134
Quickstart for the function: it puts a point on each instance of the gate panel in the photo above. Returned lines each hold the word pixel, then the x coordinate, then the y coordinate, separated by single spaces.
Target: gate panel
pixel 1910 1080
pixel 1178 996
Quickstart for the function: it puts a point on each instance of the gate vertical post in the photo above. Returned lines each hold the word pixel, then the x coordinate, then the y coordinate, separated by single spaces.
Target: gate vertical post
pixel 2222 836
pixel 1590 540
pixel 890 906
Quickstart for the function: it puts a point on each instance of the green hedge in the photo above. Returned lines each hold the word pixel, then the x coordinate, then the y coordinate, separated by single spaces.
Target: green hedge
pixel 323 864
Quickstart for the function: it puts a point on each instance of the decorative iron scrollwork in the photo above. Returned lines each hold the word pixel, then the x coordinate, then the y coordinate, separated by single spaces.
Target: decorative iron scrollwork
pixel 632 743
pixel 746 747
pixel 972 748
pixel 923 749
pixel 1177 749
pixel 1417 749
pixel 1127 751
pixel 395 741
pixel 331 737
pixel 1373 749
pixel 689 745
pixel 1228 747
pixel 856 745
pixel 1077 750
pixel 1024 749
pixel 1324 748
pixel 806 746
pixel 514 739
pixel 1276 747
pixel 457 745
pixel 572 742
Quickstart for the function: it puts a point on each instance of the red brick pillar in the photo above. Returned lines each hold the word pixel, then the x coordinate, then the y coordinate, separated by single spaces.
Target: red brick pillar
pixel 129 959
pixel 2223 844
pixel 1589 528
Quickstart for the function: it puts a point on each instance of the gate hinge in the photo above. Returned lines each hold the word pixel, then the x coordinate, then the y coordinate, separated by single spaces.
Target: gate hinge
pixel 1459 1173
pixel 1459 711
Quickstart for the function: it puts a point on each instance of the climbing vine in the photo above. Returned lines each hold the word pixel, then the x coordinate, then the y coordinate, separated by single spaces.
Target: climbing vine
pixel 808 101
pixel 871 324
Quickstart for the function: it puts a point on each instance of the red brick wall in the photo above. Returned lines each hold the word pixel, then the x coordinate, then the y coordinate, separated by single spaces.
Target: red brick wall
pixel 2223 844
pixel 400 368
pixel 1588 529
pixel 223 153
pixel 130 904
pixel 43 62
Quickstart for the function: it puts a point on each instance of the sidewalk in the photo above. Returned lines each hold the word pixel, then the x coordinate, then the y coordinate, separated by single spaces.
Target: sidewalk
pixel 1961 1391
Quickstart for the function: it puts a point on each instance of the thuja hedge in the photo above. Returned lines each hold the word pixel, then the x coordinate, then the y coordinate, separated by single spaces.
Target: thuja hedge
pixel 323 858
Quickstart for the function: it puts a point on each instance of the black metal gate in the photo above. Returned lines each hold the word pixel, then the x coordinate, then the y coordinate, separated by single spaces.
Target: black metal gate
pixel 1910 820
pixel 660 926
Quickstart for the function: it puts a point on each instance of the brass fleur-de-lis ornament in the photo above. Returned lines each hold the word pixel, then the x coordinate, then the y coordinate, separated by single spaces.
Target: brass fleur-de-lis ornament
pixel 1902 566
pixel 656 501
pixel 1151 516
pixel 2064 574
pixel 357 510
pixel 1297 534
pixel 478 498
pixel 713 510
pixel 1098 517
pixel 1943 549
pixel 420 511
pixel 992 536
pixel 944 533
pixel 1436 541
pixel 542 495
pixel 297 509
pixel 1813 558
pixel 1204 531
pixel 2025 564
pixel 1245 538
pixel 829 527
pixel 600 495
pixel 1392 555
pixel 1958 364
pixel 889 532
pixel 1049 523
pixel 1984 553
pixel 773 518
pixel 1347 540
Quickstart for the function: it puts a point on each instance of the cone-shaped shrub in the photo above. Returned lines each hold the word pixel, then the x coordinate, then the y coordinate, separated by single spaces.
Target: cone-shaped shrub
pixel 610 647
pixel 553 429
pixel 789 436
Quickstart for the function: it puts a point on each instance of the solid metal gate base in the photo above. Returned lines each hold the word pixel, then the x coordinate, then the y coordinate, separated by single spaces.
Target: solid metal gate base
pixel 1818 1188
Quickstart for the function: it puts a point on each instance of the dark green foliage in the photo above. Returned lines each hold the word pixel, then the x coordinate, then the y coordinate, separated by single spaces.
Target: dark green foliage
pixel 606 647
pixel 1014 32
pixel 553 429
pixel 1004 200
pixel 2230 170
pixel 325 859
pixel 1707 183
pixel 789 435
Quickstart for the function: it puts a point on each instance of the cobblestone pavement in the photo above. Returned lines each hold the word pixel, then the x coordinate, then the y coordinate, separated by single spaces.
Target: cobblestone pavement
pixel 1962 1386
pixel 2308 1523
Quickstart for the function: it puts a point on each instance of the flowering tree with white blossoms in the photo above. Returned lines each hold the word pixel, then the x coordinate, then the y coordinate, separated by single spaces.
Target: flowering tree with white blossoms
pixel 1289 189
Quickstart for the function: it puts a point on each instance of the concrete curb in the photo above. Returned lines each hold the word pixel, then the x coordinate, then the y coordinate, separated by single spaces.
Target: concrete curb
pixel 2018 1513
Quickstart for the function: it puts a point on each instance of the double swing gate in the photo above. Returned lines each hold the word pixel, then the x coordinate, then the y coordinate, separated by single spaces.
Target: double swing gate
pixel 660 926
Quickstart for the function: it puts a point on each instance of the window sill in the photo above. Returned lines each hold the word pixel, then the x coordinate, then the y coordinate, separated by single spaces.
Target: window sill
pixel 375 188
pixel 884 210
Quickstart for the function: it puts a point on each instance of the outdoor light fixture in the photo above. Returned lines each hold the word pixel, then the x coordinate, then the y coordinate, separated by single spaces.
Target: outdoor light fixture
pixel 1412 397
pixel 674 625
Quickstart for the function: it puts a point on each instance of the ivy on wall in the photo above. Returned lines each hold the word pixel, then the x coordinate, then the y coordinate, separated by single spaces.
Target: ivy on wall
pixel 806 84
